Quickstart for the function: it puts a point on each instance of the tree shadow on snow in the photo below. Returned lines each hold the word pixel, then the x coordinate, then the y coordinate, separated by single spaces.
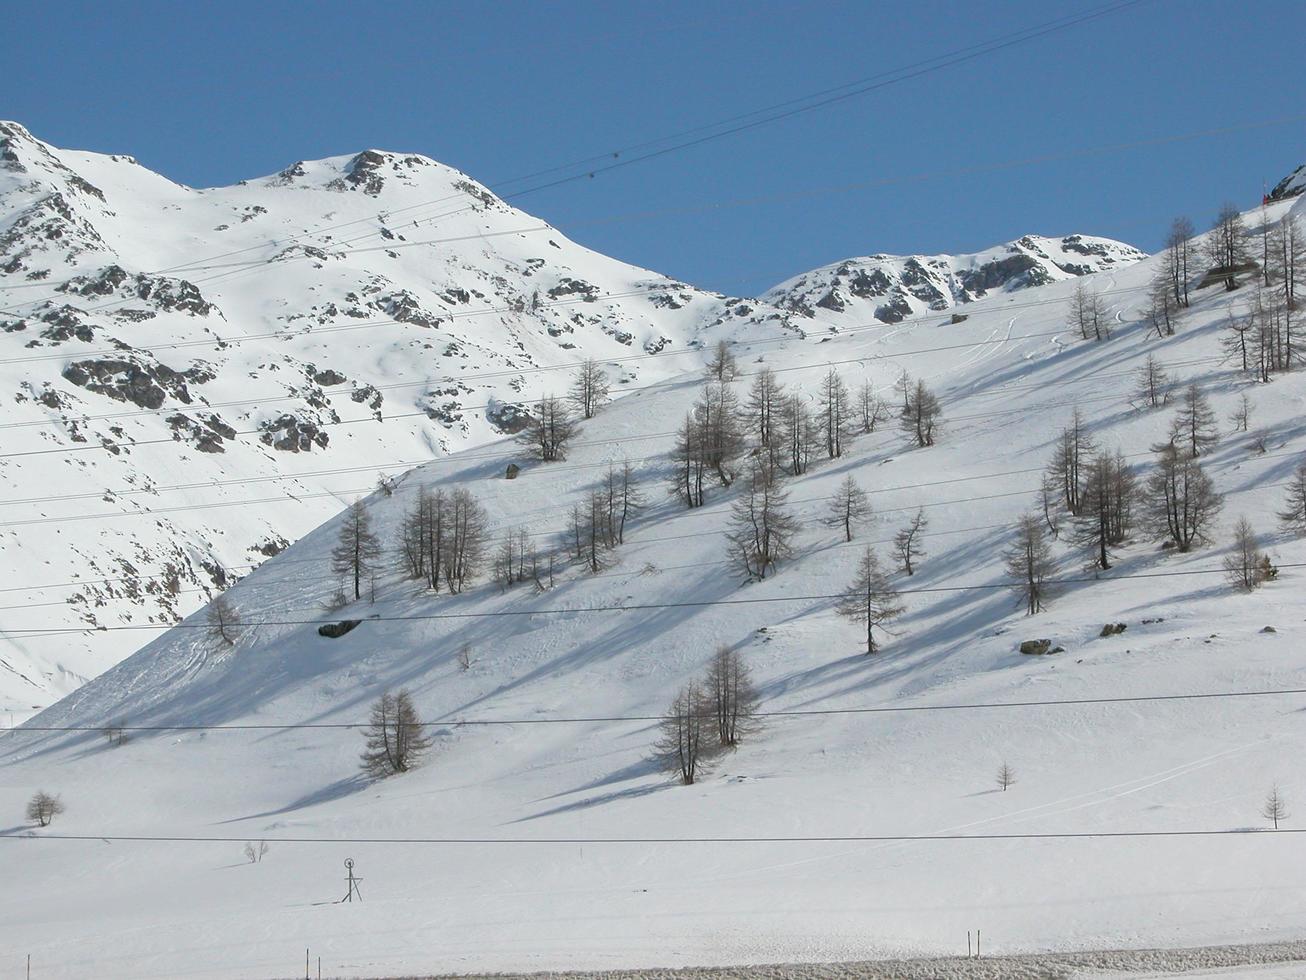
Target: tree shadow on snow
pixel 327 794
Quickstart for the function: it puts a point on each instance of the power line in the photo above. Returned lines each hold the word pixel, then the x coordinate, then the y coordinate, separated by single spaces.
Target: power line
pixel 616 719
pixel 635 607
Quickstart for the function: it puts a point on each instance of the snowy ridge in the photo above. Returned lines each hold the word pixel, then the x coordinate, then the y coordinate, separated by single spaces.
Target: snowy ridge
pixel 890 288
pixel 620 643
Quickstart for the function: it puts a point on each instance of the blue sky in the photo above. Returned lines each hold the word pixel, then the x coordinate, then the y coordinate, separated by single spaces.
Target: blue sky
pixel 212 93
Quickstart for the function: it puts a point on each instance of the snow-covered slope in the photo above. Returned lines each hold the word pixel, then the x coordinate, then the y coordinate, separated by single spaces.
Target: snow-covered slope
pixel 619 644
pixel 192 378
pixel 890 288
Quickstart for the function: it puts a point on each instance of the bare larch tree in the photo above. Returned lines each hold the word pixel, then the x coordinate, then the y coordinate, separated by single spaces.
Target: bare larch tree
pixel 396 737
pixel 762 410
pixel 1178 252
pixel 1275 807
pixel 1088 314
pixel 589 388
pixel 761 529
pixel 224 621
pixel 871 408
pixel 721 366
pixel 1226 246
pixel 922 415
pixel 732 696
pixel 869 599
pixel 1006 776
pixel 1153 383
pixel 685 745
pixel 908 549
pixel 1106 515
pixel 1246 566
pixel 1074 448
pixel 1193 429
pixel 850 508
pixel 358 552
pixel 43 808
pixel 549 429
pixel 835 413
pixel 1028 561
pixel 1293 516
pixel 800 434
pixel 1181 500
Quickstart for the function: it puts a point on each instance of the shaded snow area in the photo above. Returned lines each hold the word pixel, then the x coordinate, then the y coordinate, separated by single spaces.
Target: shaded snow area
pixel 547 840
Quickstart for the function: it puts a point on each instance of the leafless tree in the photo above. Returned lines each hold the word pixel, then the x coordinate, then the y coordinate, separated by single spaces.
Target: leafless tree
pixel 468 529
pixel 385 484
pixel 396 737
pixel 358 551
pixel 1237 339
pixel 685 746
pixel 623 499
pixel 1246 566
pixel 465 657
pixel 1178 252
pixel 1088 314
pixel 1051 501
pixel 1005 777
pixel 721 436
pixel 1226 246
pixel 907 546
pixel 1028 561
pixel 923 414
pixel 732 696
pixel 869 598
pixel 850 507
pixel 1074 448
pixel 1194 429
pixel 1287 257
pixel 1242 415
pixel 549 430
pixel 589 388
pixel 1106 514
pixel 835 413
pixel 689 464
pixel 115 734
pixel 43 808
pixel 1162 310
pixel 762 528
pixel 762 409
pixel 1181 499
pixel 903 386
pixel 1293 515
pixel 223 620
pixel 1276 807
pixel 254 853
pixel 722 367
pixel 1153 383
pixel 871 409
pixel 800 434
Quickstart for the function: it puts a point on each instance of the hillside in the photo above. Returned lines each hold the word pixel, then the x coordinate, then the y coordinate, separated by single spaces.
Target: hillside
pixel 557 771
pixel 194 378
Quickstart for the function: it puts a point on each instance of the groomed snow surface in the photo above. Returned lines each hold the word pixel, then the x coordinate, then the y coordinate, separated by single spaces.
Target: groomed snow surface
pixel 534 897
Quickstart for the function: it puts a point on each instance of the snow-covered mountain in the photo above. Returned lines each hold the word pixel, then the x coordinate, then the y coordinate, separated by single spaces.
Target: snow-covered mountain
pixel 193 378
pixel 552 842
pixel 196 377
pixel 890 288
